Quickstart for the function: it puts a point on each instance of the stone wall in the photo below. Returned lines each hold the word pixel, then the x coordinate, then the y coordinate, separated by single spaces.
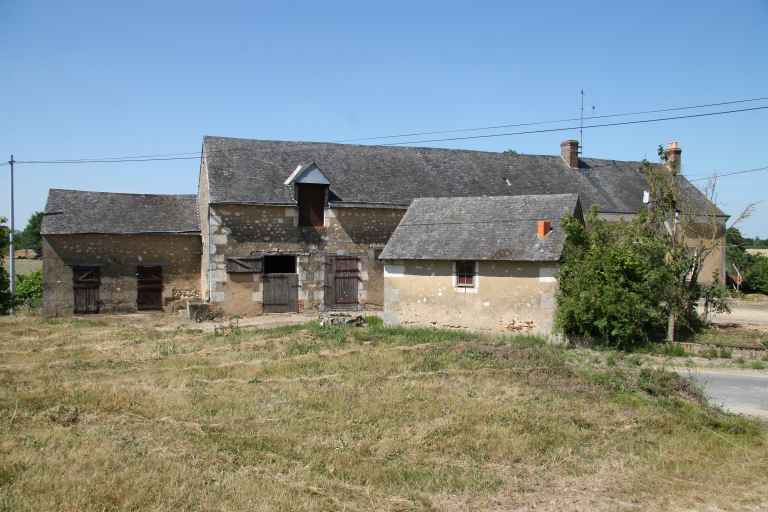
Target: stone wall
pixel 118 257
pixel 242 230
pixel 514 297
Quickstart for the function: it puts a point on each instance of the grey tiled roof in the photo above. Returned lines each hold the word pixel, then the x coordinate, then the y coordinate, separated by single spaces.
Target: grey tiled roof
pixel 78 211
pixel 254 171
pixel 482 228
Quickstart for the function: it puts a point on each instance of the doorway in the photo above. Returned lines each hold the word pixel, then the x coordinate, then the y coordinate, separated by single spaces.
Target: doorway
pixel 149 286
pixel 85 283
pixel 280 284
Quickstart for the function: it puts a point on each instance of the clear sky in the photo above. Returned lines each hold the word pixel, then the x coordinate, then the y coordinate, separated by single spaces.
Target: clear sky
pixel 92 79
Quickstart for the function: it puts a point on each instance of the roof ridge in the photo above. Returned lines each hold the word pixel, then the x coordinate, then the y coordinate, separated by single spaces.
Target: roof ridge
pixel 429 148
pixel 120 193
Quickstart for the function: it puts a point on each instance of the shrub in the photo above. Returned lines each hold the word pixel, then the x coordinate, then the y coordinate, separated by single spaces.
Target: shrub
pixel 5 296
pixel 29 290
pixel 611 282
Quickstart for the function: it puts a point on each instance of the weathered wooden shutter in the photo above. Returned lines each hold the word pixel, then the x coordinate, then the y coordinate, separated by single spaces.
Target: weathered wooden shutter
pixel 246 264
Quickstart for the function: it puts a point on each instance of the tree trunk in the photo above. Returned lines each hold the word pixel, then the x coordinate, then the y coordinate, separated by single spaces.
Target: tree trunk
pixel 671 328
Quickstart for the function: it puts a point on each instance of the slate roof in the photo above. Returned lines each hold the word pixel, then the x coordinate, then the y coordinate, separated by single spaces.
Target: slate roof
pixel 78 211
pixel 482 228
pixel 254 171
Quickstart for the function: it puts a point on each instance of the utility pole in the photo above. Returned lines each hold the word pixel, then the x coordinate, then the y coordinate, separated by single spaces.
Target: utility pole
pixel 11 253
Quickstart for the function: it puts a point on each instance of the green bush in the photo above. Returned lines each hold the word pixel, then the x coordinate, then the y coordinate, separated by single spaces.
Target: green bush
pixel 757 275
pixel 612 281
pixel 29 290
pixel 5 296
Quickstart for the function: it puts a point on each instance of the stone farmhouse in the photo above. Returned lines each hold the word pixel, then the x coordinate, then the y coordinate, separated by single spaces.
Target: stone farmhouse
pixel 300 226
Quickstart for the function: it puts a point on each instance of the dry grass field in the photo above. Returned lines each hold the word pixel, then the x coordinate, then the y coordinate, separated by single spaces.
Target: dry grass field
pixel 106 414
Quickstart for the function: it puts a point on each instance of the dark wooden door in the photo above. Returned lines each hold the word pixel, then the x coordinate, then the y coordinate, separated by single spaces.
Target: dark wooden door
pixel 346 276
pixel 149 285
pixel 85 283
pixel 281 293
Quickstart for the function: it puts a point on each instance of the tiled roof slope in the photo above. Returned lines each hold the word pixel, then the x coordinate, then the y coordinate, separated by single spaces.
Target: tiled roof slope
pixel 482 228
pixel 254 171
pixel 79 211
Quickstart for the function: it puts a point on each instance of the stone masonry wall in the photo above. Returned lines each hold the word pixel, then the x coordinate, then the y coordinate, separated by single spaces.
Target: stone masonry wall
pixel 241 230
pixel 118 256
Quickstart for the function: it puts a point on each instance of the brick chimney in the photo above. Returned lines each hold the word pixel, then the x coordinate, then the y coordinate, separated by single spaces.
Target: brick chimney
pixel 543 228
pixel 674 156
pixel 569 150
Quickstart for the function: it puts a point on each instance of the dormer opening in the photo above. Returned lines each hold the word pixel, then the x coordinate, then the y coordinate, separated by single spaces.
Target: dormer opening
pixel 311 192
pixel 311 199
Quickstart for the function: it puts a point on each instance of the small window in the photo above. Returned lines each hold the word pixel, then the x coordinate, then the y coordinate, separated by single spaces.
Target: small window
pixel 465 274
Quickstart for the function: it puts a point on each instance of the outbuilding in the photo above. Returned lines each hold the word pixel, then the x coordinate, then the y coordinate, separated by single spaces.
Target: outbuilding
pixel 119 253
pixel 482 263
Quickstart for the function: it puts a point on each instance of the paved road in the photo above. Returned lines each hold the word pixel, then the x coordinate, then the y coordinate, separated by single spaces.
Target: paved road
pixel 744 313
pixel 739 391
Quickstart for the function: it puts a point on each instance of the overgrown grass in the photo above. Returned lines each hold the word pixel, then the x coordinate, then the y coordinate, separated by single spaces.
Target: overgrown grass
pixel 120 415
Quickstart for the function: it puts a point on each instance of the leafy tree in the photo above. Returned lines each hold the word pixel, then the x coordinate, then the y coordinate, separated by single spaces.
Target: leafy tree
pixel 738 261
pixel 30 238
pixel 5 295
pixel 3 238
pixel 757 275
pixel 620 283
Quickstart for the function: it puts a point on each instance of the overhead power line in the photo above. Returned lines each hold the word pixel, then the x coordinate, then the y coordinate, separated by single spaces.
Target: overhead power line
pixel 569 128
pixel 732 173
pixel 569 119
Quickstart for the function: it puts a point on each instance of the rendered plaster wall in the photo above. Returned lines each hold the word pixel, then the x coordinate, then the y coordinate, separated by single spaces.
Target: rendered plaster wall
pixel 243 230
pixel 508 296
pixel 118 257
pixel 203 195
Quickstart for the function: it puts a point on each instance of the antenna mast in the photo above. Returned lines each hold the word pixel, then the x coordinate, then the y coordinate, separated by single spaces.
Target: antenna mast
pixel 581 123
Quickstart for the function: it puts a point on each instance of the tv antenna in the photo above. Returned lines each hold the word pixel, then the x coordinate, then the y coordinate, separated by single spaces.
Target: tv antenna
pixel 581 121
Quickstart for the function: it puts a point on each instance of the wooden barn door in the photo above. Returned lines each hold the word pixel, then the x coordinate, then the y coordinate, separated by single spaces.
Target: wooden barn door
pixel 85 283
pixel 346 277
pixel 149 285
pixel 281 293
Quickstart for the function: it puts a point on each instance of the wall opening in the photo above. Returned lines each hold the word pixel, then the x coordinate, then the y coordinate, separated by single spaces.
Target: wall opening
pixel 149 288
pixel 280 264
pixel 311 200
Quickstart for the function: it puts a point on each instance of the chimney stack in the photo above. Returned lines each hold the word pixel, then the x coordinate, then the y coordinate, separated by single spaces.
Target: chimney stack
pixel 543 228
pixel 569 150
pixel 674 156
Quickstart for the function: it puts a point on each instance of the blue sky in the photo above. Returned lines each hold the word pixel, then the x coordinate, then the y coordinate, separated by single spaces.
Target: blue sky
pixel 91 79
